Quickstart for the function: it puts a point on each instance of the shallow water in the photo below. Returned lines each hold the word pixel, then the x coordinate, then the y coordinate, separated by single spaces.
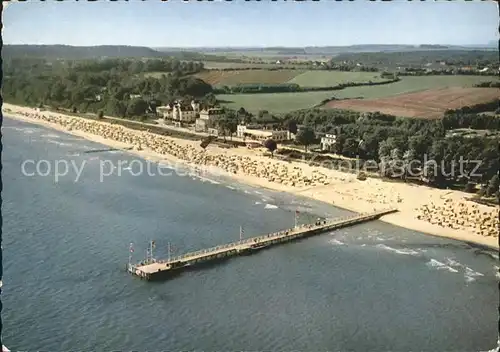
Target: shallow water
pixel 372 287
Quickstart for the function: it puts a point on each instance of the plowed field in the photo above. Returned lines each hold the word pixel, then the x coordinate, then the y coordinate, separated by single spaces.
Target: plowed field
pixel 425 104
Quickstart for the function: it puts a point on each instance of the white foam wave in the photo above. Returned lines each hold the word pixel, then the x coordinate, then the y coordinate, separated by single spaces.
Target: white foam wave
pixel 270 206
pixel 336 242
pixel 59 143
pixel 230 187
pixel 50 135
pixel 20 129
pixel 398 251
pixel 257 203
pixel 469 273
pixel 441 266
pixel 454 263
pixel 203 179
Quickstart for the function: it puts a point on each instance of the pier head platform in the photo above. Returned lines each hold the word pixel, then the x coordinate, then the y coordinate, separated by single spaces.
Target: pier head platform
pixel 154 269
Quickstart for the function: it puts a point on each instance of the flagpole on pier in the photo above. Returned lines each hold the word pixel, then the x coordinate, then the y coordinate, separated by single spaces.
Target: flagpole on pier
pixel 169 251
pixel 295 219
pixel 152 243
pixel 130 251
pixel 241 233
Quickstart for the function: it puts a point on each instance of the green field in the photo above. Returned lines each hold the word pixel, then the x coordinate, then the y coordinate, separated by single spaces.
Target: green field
pixel 410 84
pixel 286 102
pixel 275 102
pixel 333 78
pixel 214 65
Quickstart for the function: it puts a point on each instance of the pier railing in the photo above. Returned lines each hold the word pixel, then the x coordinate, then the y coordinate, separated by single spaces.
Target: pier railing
pixel 280 236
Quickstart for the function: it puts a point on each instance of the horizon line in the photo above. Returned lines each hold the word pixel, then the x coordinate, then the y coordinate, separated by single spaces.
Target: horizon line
pixel 491 43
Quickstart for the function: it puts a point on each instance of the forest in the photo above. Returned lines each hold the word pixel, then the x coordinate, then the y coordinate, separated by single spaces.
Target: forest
pixel 393 142
pixel 117 87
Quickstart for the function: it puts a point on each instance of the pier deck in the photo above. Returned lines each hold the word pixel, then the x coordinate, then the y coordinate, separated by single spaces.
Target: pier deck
pixel 160 268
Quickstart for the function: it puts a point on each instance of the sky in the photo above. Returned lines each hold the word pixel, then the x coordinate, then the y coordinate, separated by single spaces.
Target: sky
pixel 174 23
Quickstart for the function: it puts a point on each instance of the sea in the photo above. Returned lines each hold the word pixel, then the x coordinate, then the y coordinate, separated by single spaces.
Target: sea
pixel 67 240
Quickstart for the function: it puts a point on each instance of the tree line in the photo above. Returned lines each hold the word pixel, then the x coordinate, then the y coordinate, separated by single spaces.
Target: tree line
pixel 292 87
pixel 108 85
pixel 393 142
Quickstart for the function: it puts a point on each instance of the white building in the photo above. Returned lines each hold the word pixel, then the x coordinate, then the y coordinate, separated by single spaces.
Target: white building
pixel 179 113
pixel 208 119
pixel 328 142
pixel 211 114
pixel 242 131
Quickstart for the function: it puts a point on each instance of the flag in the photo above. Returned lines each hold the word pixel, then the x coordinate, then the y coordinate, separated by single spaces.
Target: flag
pixel 131 248
pixel 153 245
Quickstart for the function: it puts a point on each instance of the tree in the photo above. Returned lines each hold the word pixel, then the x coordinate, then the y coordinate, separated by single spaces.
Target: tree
pixel 306 137
pixel 493 186
pixel 136 107
pixel 292 126
pixel 350 147
pixel 206 141
pixel 271 145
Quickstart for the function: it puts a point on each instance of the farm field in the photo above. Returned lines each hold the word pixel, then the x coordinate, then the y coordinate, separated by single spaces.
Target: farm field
pixel 430 103
pixel 231 78
pixel 409 84
pixel 215 65
pixel 332 78
pixel 274 102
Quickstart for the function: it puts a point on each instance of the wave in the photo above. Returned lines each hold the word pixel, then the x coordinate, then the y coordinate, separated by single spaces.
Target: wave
pixel 257 203
pixel 21 129
pixel 398 251
pixel 271 206
pixel 59 143
pixel 196 176
pixel 336 242
pixel 230 187
pixel 50 135
pixel 452 262
pixel 204 179
pixel 441 266
pixel 470 275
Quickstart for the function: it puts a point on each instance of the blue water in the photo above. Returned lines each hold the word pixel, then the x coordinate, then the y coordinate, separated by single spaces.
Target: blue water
pixel 372 287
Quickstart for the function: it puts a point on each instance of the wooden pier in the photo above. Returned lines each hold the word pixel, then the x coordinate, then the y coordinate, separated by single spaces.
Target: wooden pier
pixel 157 269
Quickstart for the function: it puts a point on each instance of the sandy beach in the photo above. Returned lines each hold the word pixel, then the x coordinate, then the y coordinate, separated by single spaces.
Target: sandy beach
pixel 432 211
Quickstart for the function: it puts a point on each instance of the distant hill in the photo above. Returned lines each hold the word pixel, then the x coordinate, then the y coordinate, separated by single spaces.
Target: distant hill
pixel 325 50
pixel 202 54
pixel 79 52
pixel 69 52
